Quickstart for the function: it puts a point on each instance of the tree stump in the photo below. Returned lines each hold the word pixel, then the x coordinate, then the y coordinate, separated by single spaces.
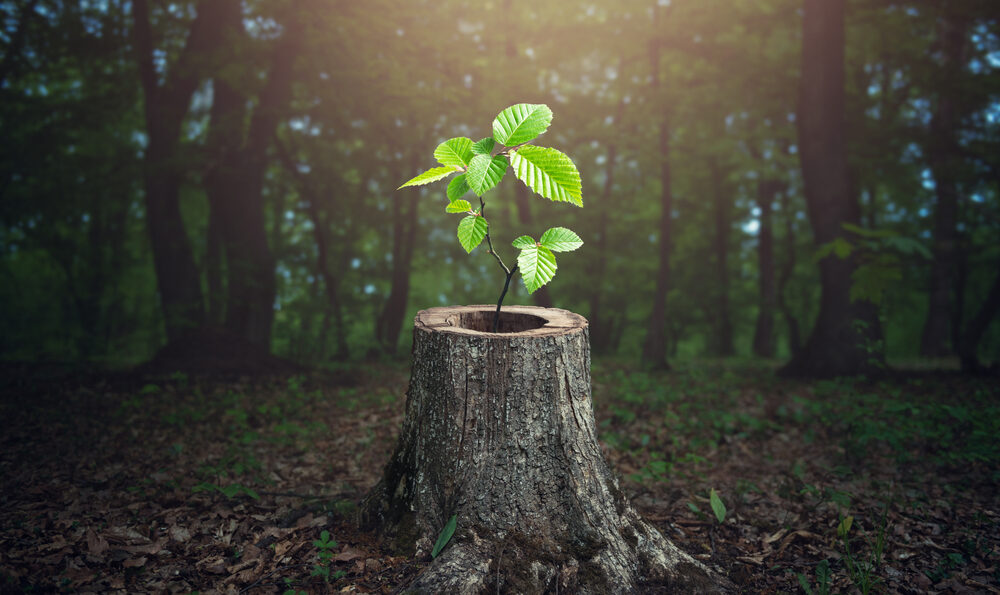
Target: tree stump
pixel 499 431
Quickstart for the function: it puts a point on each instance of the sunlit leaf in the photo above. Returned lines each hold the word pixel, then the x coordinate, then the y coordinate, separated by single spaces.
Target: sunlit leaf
pixel 454 151
pixel 432 175
pixel 521 123
pixel 549 173
pixel 471 231
pixel 845 526
pixel 560 239
pixel 484 146
pixel 458 206
pixel 523 242
pixel 538 266
pixel 457 187
pixel 484 173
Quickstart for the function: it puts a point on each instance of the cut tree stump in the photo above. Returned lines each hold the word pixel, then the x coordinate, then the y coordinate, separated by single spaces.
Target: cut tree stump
pixel 499 431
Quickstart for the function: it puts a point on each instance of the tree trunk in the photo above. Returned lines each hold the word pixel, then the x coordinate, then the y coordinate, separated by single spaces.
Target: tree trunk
pixel 945 162
pixel 499 432
pixel 165 106
pixel 847 337
pixel 654 348
pixel 390 320
pixel 977 328
pixel 787 269
pixel 723 335
pixel 763 336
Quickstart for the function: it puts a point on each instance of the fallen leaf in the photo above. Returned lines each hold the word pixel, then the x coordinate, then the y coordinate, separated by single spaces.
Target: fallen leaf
pixel 134 562
pixel 348 554
pixel 96 545
pixel 179 534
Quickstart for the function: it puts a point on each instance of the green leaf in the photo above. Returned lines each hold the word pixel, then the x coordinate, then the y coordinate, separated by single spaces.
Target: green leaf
pixel 560 239
pixel 454 151
pixel 485 173
pixel 845 526
pixel 523 242
pixel 471 231
pixel 717 506
pixel 484 146
pixel 457 187
pixel 839 246
pixel 432 175
pixel 538 266
pixel 445 536
pixel 521 123
pixel 458 206
pixel 549 173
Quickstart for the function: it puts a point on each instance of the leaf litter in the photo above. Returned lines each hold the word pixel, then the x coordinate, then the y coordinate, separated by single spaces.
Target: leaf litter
pixel 129 483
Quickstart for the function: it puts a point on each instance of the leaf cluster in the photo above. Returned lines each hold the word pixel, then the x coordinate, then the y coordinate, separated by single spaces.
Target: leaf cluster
pixel 481 165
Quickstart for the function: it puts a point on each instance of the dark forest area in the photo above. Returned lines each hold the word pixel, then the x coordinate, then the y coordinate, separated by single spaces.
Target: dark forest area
pixel 783 360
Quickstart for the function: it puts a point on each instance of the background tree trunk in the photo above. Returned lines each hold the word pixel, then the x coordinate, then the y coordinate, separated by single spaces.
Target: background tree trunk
pixel 165 106
pixel 763 336
pixel 787 270
pixel 945 161
pixel 390 319
pixel 499 431
pixel 722 335
pixel 846 338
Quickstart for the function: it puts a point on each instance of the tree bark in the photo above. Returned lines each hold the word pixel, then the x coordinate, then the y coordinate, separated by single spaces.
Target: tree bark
pixel 235 185
pixel 654 348
pixel 390 319
pixel 787 269
pixel 763 336
pixel 603 326
pixel 945 162
pixel 499 432
pixel 165 106
pixel 977 328
pixel 723 335
pixel 847 337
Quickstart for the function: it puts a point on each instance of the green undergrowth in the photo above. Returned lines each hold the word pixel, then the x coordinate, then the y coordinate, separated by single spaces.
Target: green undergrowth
pixel 672 420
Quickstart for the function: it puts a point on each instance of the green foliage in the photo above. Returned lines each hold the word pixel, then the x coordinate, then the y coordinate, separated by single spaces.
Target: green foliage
pixel 471 231
pixel 432 175
pixel 445 536
pixel 882 255
pixel 717 506
pixel 455 152
pixel 538 266
pixel 547 171
pixel 485 172
pixel 458 206
pixel 521 123
pixel 325 544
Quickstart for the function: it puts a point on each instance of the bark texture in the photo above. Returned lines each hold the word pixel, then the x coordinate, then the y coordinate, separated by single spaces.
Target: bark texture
pixel 847 337
pixel 499 431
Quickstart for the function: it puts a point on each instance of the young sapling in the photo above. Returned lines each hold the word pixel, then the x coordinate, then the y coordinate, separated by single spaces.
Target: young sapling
pixel 480 167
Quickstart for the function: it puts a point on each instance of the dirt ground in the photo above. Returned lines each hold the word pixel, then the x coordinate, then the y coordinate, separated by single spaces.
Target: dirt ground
pixel 169 482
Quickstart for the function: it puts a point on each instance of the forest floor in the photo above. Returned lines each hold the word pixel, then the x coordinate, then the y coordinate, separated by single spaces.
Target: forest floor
pixel 125 483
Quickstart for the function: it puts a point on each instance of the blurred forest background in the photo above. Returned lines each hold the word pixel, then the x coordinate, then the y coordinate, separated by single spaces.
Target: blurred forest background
pixel 179 165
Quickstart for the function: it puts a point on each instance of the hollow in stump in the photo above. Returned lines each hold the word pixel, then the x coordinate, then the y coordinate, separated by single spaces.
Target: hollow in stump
pixel 499 432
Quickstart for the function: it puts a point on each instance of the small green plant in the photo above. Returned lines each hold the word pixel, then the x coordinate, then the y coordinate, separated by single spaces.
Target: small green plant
pixel 326 546
pixel 480 167
pixel 863 571
pixel 445 536
pixel 717 506
pixel 822 580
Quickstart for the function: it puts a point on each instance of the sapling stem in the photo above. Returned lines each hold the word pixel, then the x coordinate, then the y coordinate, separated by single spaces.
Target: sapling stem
pixel 480 168
pixel 508 272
